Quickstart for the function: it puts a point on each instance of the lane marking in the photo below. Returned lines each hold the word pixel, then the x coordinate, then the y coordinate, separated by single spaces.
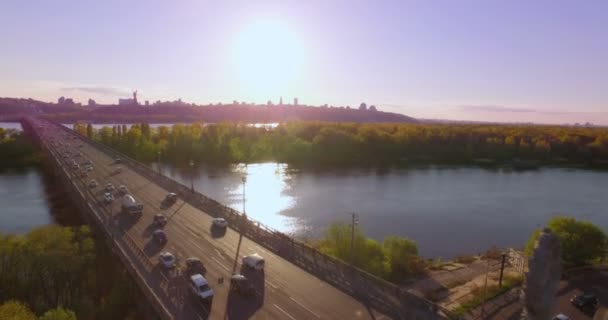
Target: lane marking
pixel 284 312
pixel 274 286
pixel 219 253
pixel 305 308
pixel 220 263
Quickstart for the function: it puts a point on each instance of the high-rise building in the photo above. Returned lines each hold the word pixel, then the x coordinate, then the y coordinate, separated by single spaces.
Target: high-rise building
pixel 295 101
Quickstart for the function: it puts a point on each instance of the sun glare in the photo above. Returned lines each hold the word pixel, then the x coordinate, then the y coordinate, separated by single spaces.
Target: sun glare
pixel 268 58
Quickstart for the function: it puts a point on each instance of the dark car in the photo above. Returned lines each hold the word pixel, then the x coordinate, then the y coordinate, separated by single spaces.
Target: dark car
pixel 159 236
pixel 171 197
pixel 195 266
pixel 160 220
pixel 585 301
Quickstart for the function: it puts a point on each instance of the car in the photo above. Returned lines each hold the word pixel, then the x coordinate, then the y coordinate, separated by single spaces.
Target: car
pixel 160 219
pixel 87 162
pixel 194 265
pixel 167 259
pixel 109 187
pixel 200 287
pixel 171 197
pixel 585 301
pixel 108 197
pixel 561 316
pixel 93 183
pixel 118 160
pixel 254 261
pixel 123 189
pixel 159 236
pixel 219 222
pixel 89 168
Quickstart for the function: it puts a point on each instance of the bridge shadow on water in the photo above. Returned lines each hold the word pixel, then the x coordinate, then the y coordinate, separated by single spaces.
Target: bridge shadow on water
pixel 243 306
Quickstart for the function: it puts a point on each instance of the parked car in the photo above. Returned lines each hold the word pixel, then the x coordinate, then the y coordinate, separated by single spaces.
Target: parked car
pixel 117 160
pixel 220 222
pixel 585 301
pixel 108 197
pixel 159 220
pixel 123 189
pixel 194 265
pixel 561 316
pixel 159 236
pixel 254 261
pixel 200 287
pixel 167 259
pixel 171 197
pixel 109 187
pixel 93 183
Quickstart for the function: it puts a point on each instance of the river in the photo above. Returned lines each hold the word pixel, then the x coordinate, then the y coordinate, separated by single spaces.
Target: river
pixel 447 211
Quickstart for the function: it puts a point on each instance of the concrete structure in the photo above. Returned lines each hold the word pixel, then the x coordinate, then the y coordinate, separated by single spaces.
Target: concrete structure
pixel 542 278
pixel 295 101
pixel 298 282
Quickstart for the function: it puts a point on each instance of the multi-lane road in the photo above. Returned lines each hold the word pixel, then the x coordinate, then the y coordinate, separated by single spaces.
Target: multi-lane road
pixel 284 291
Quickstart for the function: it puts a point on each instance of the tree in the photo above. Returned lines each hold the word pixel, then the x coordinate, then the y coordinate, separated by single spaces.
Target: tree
pixel 363 106
pixel 59 314
pixel 90 131
pixel 15 310
pixel 402 255
pixel 581 241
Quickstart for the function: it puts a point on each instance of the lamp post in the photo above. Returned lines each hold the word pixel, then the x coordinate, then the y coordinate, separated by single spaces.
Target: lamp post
pixel 242 225
pixel 192 175
pixel 158 163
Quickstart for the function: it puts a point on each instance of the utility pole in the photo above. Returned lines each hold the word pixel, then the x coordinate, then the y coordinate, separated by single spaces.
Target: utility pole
pixel 355 222
pixel 502 269
pixel 192 175
pixel 158 163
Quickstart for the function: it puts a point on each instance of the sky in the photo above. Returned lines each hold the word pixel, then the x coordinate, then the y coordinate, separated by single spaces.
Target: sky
pixel 518 60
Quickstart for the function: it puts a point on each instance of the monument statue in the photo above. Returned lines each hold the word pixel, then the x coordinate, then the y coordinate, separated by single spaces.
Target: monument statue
pixel 542 279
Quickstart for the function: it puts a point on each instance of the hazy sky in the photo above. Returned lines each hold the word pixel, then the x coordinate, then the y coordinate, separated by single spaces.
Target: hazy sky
pixel 542 61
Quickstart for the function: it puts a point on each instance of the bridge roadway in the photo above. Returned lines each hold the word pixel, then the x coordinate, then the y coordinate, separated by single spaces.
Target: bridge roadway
pixel 285 291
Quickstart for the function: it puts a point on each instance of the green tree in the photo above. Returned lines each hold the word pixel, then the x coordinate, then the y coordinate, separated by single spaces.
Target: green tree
pixel 402 256
pixel 15 310
pixel 581 241
pixel 90 131
pixel 58 314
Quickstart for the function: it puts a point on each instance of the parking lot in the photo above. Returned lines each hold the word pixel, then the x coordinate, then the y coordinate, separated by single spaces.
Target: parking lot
pixel 590 281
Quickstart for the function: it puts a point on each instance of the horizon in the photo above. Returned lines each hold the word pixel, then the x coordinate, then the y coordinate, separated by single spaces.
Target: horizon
pixel 541 62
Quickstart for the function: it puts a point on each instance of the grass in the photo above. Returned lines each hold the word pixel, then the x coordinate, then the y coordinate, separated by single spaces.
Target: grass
pixel 492 291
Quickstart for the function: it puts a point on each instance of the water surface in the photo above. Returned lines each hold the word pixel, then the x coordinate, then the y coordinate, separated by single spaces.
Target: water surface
pixel 447 211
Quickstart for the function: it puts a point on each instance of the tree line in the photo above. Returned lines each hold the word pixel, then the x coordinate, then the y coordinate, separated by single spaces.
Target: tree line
pixel 357 144
pixel 16 150
pixel 60 273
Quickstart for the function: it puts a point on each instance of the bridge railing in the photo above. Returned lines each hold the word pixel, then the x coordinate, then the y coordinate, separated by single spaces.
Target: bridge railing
pixel 384 294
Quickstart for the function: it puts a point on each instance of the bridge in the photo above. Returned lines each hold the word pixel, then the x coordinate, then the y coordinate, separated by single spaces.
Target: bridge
pixel 298 282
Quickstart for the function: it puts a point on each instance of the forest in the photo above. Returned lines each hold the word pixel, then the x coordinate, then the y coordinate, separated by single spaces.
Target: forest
pixel 16 150
pixel 61 273
pixel 327 144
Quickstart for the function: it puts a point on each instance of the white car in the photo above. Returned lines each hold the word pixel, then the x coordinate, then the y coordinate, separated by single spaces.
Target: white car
pixel 108 197
pixel 109 187
pixel 561 316
pixel 93 183
pixel 254 261
pixel 167 259
pixel 220 222
pixel 200 287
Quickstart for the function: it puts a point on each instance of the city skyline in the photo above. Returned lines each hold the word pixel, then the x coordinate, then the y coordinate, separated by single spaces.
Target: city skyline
pixel 473 60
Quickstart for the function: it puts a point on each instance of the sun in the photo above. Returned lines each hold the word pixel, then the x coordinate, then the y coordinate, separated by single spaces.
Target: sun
pixel 268 58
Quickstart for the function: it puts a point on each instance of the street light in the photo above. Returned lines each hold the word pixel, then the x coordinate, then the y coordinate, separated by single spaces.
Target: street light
pixel 242 225
pixel 158 163
pixel 192 175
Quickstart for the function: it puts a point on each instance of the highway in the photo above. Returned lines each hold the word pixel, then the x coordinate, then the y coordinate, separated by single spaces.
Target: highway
pixel 284 291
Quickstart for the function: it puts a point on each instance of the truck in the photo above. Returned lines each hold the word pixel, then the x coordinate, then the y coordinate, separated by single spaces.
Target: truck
pixel 130 206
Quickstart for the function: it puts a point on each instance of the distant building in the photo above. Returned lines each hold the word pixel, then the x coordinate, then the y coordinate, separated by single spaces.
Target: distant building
pixel 281 101
pixel 295 101
pixel 91 103
pixel 126 102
